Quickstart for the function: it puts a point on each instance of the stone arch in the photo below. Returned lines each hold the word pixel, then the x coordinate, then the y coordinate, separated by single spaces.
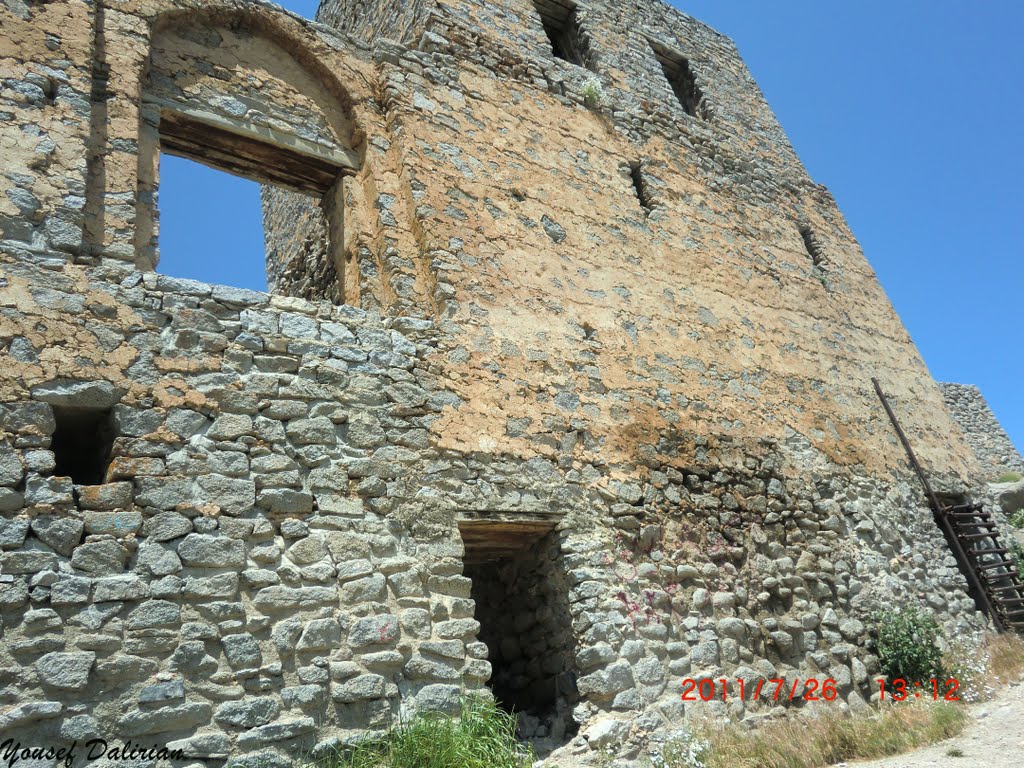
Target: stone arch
pixel 245 90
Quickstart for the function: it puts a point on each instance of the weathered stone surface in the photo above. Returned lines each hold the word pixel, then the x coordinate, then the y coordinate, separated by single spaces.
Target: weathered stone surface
pixel 166 526
pixel 319 635
pixel 106 497
pixel 284 501
pixel 69 671
pixel 78 394
pixel 27 561
pixel 235 496
pixel 29 713
pixel 155 613
pixel 127 587
pixel 248 713
pixel 100 557
pixel 242 651
pixel 358 688
pixel 63 534
pixel 158 560
pixel 288 598
pixel 118 524
pixel 13 533
pixel 176 718
pixel 159 692
pixel 11 468
pixel 374 630
pixel 276 732
pixel 49 491
pixel 438 698
pixel 203 551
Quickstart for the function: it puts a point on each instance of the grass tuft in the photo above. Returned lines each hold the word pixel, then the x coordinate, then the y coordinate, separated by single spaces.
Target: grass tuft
pixel 1009 477
pixel 822 740
pixel 482 736
pixel 1006 658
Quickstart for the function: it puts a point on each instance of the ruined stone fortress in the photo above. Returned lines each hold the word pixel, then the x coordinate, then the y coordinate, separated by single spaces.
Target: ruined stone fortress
pixel 562 388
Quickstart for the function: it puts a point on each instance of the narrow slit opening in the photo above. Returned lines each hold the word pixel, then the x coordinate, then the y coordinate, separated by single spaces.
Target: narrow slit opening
pixel 640 187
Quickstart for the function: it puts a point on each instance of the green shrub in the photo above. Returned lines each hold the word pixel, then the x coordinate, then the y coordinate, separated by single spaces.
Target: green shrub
pixel 908 646
pixel 1017 555
pixel 1009 477
pixel 593 93
pixel 482 736
pixel 1017 519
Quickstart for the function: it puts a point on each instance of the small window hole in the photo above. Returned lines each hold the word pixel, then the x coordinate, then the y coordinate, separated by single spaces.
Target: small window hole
pixel 82 443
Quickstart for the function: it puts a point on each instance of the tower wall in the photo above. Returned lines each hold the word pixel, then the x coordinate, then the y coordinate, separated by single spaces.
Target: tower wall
pixel 629 348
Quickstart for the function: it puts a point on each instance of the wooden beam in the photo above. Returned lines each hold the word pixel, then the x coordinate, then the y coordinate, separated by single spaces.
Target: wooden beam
pixel 253 151
pixel 488 541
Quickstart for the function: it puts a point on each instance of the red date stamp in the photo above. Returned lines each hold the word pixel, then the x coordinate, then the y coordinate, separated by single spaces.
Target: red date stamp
pixel 810 689
pixel 773 688
pixel 901 690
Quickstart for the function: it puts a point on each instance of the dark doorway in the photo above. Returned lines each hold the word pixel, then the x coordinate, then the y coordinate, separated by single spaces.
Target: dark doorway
pixel 521 593
pixel 82 443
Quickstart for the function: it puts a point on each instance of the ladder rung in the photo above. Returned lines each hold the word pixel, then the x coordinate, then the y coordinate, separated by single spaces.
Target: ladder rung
pixel 973 524
pixel 982 515
pixel 1001 551
pixel 973 536
pixel 990 566
pixel 1006 589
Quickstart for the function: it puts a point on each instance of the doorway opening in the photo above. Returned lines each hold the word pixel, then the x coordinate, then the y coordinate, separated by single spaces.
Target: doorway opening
pixel 522 603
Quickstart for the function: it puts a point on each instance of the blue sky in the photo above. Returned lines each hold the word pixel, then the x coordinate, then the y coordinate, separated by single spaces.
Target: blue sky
pixel 909 111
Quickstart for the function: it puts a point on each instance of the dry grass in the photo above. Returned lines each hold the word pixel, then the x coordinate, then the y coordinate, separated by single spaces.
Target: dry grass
pixel 1006 658
pixel 812 742
pixel 829 738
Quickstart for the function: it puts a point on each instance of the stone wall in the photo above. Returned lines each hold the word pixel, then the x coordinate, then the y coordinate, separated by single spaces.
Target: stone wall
pixel 674 387
pixel 993 447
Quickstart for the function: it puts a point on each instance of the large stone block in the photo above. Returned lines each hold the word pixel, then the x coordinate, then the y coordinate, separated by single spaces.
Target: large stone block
pixel 68 671
pixel 78 394
pixel 203 551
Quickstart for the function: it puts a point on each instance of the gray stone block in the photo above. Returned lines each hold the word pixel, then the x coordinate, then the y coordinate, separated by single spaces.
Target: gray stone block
pixel 78 394
pixel 203 551
pixel 68 671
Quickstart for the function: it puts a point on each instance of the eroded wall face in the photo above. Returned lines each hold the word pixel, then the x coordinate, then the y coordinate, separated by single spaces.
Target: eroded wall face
pixel 993 447
pixel 274 561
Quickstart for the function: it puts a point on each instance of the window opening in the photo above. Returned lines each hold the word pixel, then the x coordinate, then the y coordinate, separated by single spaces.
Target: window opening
pixel 640 187
pixel 813 245
pixel 211 225
pixel 562 26
pixel 82 443
pixel 521 593
pixel 679 74
pixel 303 244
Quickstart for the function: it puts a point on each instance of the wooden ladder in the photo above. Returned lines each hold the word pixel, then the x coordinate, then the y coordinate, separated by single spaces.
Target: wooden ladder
pixel 992 562
pixel 973 537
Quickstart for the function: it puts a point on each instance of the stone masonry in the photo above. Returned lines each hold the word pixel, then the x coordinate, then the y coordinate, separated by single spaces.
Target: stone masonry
pixel 993 447
pixel 563 387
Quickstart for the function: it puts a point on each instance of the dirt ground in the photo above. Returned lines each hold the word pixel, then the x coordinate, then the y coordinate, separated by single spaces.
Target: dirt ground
pixel 994 739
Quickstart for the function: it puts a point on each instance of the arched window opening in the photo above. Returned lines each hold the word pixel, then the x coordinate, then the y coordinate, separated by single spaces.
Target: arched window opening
pixel 235 101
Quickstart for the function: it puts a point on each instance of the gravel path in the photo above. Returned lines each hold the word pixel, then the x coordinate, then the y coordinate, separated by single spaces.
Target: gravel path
pixel 995 739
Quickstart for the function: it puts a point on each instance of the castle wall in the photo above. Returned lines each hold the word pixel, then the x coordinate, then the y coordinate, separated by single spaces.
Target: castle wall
pixel 993 447
pixel 273 559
